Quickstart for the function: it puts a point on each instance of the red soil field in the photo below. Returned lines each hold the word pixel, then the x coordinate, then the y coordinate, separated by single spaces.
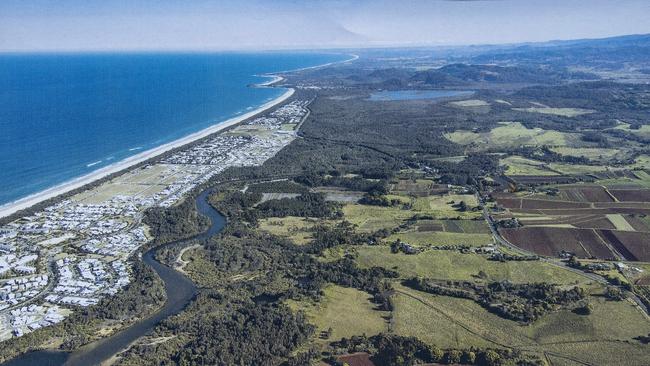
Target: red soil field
pixel 580 221
pixel 631 195
pixel 632 245
pixel 638 224
pixel 643 281
pixel 597 223
pixel 357 359
pixel 509 202
pixel 585 194
pixel 526 203
pixel 546 204
pixel 586 211
pixel 622 204
pixel 550 241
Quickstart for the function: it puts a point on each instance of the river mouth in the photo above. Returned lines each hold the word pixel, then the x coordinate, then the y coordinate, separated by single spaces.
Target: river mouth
pixel 180 291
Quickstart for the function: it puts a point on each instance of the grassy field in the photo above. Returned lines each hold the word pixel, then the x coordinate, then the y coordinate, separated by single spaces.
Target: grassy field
pixel 294 228
pixel 512 134
pixel 452 265
pixel 641 162
pixel 346 310
pixel 564 112
pixel 644 131
pixel 443 206
pixel 597 339
pixel 619 222
pixel 587 152
pixel 288 126
pixel 407 186
pixel 420 238
pixel 470 103
pixel 576 168
pixel 517 165
pixel 372 218
pixel 643 181
pixel 454 226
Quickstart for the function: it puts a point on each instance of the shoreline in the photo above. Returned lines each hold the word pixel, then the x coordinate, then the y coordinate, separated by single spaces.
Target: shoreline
pixel 76 183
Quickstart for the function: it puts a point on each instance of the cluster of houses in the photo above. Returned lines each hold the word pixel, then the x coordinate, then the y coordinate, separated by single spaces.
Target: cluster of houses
pixel 32 317
pixel 291 113
pixel 211 152
pixel 20 264
pixel 83 282
pixel 120 244
pixel 17 290
pixel 84 242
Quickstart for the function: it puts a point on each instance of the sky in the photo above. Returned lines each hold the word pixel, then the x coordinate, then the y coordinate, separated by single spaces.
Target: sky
pixel 200 25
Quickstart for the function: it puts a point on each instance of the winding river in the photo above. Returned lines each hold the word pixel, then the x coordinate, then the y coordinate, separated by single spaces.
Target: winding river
pixel 180 291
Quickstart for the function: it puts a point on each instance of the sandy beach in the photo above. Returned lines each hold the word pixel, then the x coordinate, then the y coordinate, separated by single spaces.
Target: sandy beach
pixel 26 202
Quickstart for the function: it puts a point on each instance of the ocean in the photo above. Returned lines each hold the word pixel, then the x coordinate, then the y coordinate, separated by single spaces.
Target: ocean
pixel 63 116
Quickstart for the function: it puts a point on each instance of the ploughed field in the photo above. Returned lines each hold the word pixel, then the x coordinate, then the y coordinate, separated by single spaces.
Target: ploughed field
pixel 590 221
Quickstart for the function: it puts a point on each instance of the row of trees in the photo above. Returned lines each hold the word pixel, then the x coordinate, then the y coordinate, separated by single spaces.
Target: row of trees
pixel 520 302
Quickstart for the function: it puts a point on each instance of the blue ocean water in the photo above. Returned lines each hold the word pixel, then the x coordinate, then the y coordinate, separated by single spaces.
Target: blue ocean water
pixel 65 115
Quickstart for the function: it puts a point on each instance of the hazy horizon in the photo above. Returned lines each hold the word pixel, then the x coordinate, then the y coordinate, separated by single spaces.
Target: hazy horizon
pixel 207 25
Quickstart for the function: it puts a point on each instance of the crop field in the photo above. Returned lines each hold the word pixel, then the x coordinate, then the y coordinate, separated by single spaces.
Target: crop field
pixel 631 195
pixel 347 311
pixel 417 188
pixel 569 193
pixel 639 223
pixel 466 226
pixel 551 241
pixel 453 265
pixel 585 194
pixel 633 246
pixel 538 204
pixel 564 222
pixel 595 339
pixel 573 221
pixel 542 179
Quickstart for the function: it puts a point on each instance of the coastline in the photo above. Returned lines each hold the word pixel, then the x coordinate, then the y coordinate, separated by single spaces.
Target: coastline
pixel 76 183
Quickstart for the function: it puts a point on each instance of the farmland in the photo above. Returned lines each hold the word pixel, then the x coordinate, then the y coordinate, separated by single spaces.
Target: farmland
pixel 452 265
pixel 567 338
pixel 328 240
pixel 346 311
pixel 586 220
